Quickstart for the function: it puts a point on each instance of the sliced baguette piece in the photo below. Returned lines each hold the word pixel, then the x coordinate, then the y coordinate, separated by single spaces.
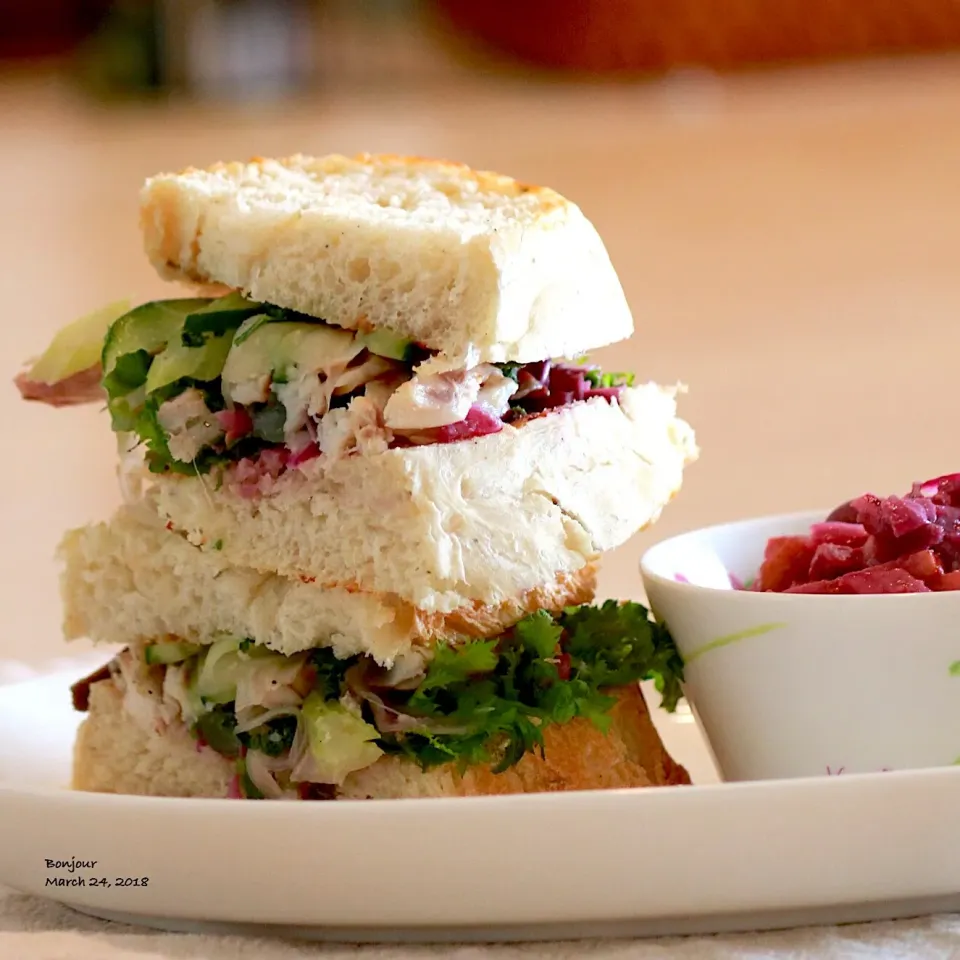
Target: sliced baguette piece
pixel 448 526
pixel 114 754
pixel 469 263
pixel 129 579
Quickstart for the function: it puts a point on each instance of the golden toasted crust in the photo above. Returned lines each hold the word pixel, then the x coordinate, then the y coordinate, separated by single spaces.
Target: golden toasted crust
pixel 334 164
pixel 577 756
pixel 114 754
pixel 484 179
pixel 160 218
pixel 480 620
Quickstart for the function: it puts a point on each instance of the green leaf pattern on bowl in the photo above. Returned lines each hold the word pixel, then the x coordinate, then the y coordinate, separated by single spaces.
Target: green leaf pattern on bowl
pixel 732 638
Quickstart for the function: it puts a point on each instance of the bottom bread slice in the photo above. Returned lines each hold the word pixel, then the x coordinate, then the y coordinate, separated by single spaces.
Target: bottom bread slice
pixel 113 754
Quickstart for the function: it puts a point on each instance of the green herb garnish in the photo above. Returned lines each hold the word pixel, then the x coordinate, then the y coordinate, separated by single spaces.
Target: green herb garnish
pixel 505 705
pixel 489 701
pixel 274 737
pixel 596 379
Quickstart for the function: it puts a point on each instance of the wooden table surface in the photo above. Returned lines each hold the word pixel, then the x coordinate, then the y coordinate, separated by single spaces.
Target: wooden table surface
pixel 789 244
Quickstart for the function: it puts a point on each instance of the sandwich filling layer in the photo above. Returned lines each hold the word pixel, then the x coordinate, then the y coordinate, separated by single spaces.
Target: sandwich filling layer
pixel 298 726
pixel 229 382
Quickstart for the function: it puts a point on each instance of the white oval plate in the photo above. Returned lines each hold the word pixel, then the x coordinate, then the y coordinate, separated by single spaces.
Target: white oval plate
pixel 632 862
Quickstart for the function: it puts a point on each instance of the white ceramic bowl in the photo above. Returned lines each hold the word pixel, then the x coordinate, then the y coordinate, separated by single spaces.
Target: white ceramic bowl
pixel 794 685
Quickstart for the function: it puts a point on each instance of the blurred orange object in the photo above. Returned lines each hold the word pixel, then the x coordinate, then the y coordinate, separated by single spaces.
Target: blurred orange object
pixel 634 36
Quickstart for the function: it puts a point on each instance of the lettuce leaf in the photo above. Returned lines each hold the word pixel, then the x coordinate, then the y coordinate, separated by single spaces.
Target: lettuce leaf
pixel 340 741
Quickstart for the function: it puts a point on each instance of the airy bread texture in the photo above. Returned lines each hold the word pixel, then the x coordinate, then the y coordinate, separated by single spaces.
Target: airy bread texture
pixel 113 754
pixel 448 526
pixel 130 579
pixel 469 263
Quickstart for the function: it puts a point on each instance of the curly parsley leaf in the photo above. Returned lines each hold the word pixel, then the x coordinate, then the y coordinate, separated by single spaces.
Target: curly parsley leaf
pixel 539 634
pixel 617 643
pixel 273 738
pixel 329 672
pixel 455 665
pixel 500 695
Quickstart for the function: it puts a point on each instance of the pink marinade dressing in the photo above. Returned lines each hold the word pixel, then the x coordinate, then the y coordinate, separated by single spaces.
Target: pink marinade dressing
pixel 907 544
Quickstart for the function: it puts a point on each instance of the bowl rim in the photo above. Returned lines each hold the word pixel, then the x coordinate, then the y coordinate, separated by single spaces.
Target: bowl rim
pixel 749 596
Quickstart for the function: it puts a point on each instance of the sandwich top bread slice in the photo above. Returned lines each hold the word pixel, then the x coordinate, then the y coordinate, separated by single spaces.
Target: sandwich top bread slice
pixel 469 264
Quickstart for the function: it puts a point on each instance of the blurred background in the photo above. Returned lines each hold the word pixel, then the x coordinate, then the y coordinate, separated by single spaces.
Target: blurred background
pixel 778 183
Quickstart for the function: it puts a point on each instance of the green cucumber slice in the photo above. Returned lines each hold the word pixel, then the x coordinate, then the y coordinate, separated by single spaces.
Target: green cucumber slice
pixel 279 346
pixel 77 346
pixel 147 328
pixel 166 653
pixel 217 318
pixel 386 344
pixel 199 363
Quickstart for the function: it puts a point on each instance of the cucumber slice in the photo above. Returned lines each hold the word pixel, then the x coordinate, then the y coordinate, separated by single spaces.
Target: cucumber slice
pixel 166 653
pixel 280 345
pixel 199 363
pixel 151 340
pixel 220 671
pixel 386 344
pixel 217 318
pixel 250 326
pixel 78 345
pixel 147 328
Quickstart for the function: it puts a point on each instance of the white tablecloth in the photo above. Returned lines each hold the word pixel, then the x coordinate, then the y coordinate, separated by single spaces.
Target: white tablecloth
pixel 33 929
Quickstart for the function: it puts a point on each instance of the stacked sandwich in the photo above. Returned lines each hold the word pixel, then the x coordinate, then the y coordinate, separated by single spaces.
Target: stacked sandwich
pixel 363 499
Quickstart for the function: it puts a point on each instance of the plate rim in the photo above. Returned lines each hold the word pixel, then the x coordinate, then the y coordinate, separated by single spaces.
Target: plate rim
pixel 719 847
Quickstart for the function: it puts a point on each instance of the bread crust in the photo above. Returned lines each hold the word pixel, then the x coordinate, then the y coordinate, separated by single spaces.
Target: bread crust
pixel 115 755
pixel 472 264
